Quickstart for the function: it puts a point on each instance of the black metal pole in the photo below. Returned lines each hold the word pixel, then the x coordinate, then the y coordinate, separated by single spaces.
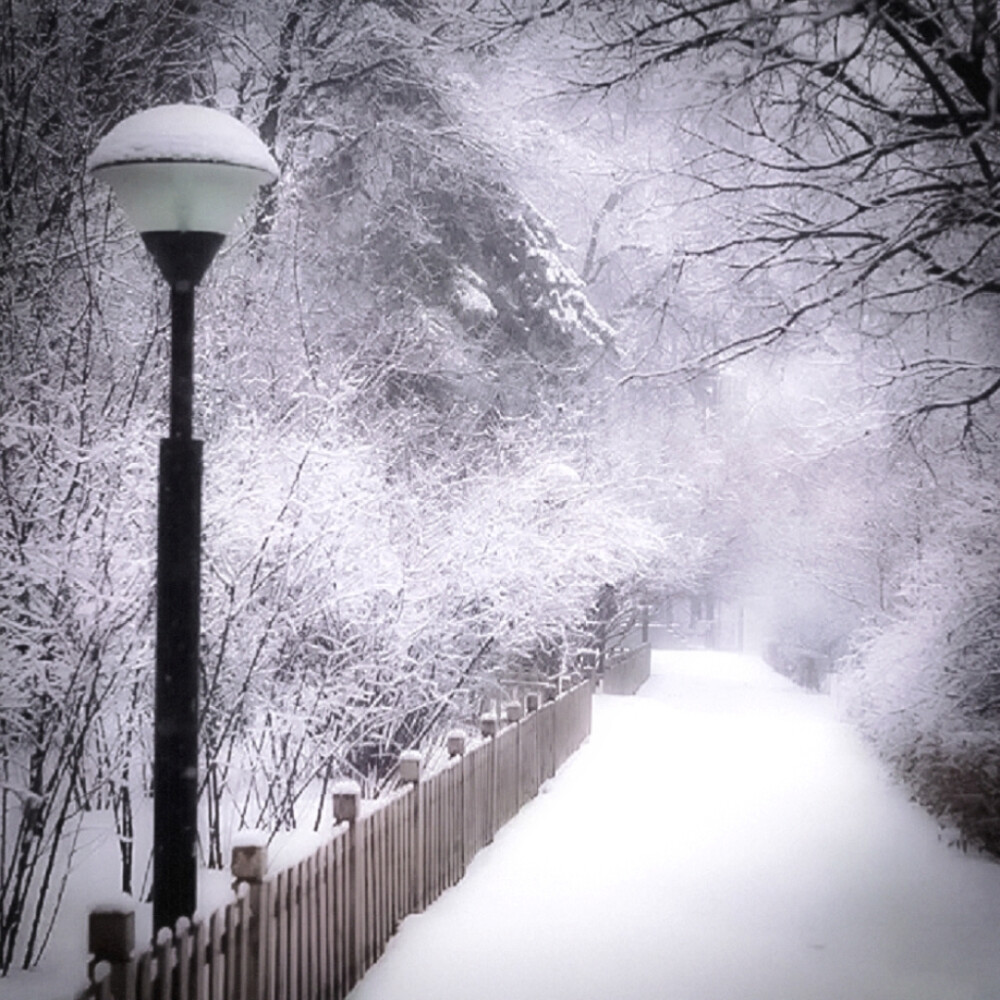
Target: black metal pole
pixel 182 360
pixel 178 628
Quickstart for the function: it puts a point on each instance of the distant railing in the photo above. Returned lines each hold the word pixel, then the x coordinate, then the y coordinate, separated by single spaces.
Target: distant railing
pixel 315 928
pixel 809 668
pixel 626 670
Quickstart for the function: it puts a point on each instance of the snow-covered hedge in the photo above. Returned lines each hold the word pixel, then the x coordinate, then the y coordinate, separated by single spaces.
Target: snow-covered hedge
pixel 925 685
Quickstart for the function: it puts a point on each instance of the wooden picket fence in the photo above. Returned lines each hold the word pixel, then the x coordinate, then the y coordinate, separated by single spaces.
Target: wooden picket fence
pixel 311 931
pixel 626 670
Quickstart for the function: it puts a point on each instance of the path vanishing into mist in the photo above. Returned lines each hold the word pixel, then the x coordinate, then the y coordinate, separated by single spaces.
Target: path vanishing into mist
pixel 721 836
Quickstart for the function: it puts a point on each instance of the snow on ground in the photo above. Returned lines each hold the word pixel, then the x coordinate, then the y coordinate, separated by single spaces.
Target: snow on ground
pixel 95 881
pixel 720 837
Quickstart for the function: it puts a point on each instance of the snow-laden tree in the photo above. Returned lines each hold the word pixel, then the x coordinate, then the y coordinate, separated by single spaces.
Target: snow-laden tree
pixel 808 185
pixel 414 255
pixel 847 149
pixel 925 685
pixel 350 620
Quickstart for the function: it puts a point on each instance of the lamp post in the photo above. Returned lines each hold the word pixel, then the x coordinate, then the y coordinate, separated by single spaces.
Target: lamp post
pixel 182 174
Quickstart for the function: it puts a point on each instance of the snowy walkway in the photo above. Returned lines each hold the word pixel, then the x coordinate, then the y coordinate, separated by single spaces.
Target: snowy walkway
pixel 720 837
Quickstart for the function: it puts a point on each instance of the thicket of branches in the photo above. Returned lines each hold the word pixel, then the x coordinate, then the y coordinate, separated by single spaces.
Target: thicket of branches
pixel 847 152
pixel 394 520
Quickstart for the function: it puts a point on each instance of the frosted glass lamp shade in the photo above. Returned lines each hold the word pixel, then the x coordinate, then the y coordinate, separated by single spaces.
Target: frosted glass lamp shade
pixel 179 196
pixel 182 168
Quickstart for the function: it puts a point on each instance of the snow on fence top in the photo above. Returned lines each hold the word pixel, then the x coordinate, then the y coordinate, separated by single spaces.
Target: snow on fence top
pixel 250 838
pixel 120 902
pixel 346 786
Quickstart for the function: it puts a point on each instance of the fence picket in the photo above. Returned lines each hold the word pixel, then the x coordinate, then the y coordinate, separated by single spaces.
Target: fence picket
pixel 359 901
pixel 453 826
pixel 384 881
pixel 313 965
pixel 164 965
pixel 367 891
pixel 306 914
pixel 216 965
pixel 265 986
pixel 241 947
pixel 338 935
pixel 296 938
pixel 376 882
pixel 323 920
pixel 398 855
pixel 283 939
pixel 144 972
pixel 185 960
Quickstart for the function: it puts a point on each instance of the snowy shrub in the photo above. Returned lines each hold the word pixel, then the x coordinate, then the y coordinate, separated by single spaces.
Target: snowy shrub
pixel 926 685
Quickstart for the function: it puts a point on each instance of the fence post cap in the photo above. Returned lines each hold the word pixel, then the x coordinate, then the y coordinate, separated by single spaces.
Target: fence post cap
pixel 532 701
pixel 489 724
pixel 111 930
pixel 514 711
pixel 456 742
pixel 346 801
pixel 249 856
pixel 410 764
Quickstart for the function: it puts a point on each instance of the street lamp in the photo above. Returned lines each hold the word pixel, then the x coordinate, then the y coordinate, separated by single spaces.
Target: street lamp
pixel 182 174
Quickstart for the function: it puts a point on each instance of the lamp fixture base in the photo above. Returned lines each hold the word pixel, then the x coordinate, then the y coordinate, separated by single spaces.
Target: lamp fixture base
pixel 183 257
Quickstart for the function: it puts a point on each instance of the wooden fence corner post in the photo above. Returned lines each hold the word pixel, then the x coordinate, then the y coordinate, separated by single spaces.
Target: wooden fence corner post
pixel 248 866
pixel 514 712
pixel 489 726
pixel 456 743
pixel 347 809
pixel 410 764
pixel 111 939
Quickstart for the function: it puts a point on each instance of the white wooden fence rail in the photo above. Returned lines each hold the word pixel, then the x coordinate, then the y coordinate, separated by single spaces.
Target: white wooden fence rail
pixel 311 931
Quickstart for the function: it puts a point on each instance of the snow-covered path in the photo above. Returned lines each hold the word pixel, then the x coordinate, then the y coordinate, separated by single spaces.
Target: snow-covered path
pixel 720 837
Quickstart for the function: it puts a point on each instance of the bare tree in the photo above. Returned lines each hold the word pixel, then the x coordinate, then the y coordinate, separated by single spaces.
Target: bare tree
pixel 848 151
